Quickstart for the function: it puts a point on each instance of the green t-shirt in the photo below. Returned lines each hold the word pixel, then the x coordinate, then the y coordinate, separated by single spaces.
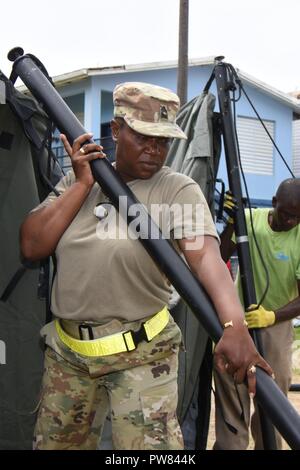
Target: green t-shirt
pixel 281 252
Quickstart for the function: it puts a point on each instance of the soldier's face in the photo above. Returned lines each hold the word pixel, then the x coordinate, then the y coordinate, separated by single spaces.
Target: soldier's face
pixel 138 156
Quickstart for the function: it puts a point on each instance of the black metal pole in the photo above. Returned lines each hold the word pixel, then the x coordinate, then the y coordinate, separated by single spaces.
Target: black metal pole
pixel 246 273
pixel 183 57
pixel 159 249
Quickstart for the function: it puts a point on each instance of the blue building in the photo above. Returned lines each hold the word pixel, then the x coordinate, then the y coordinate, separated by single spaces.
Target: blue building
pixel 88 92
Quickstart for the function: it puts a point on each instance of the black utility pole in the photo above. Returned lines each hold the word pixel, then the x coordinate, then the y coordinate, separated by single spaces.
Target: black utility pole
pixel 283 415
pixel 183 59
pixel 224 86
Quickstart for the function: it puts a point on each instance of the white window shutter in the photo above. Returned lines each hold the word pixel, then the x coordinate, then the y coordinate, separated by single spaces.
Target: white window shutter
pixel 256 148
pixel 296 147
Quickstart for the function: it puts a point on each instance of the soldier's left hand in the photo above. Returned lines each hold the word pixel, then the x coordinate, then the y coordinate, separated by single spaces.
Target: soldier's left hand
pixel 237 355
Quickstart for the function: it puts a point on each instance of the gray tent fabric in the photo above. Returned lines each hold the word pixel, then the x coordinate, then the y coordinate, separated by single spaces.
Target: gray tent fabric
pixel 197 157
pixel 22 315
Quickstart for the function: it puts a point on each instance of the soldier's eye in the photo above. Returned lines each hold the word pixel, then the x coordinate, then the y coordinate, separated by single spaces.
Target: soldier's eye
pixel 165 141
pixel 141 138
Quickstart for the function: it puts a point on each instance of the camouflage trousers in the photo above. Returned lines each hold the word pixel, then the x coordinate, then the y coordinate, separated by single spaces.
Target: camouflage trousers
pixel 140 387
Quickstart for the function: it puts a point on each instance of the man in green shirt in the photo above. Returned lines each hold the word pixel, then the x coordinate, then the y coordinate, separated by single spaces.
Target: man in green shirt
pixel 278 234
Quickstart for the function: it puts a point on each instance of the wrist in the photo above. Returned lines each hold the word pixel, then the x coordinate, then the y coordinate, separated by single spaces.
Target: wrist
pixel 235 324
pixel 272 317
pixel 84 185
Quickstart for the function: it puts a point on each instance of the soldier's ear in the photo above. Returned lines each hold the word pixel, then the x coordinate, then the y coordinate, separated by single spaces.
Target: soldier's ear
pixel 115 129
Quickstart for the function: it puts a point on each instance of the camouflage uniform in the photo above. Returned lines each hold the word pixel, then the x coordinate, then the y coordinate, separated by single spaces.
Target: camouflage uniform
pixel 140 385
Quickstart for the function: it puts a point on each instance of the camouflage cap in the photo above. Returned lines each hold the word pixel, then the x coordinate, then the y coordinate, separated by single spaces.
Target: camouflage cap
pixel 148 109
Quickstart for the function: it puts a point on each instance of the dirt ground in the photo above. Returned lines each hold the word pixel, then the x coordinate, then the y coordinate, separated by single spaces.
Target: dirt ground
pixel 294 398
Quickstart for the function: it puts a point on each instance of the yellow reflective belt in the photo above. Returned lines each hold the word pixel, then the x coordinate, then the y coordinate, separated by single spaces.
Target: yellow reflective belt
pixel 157 323
pixel 116 343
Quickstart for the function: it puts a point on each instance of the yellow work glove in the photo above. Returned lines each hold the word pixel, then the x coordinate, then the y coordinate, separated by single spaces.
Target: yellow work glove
pixel 259 317
pixel 230 207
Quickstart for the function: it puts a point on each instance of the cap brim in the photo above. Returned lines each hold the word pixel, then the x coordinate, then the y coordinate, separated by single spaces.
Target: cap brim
pixel 156 129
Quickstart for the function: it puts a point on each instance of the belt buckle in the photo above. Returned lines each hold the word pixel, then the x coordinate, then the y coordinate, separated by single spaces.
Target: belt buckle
pixel 82 332
pixel 137 336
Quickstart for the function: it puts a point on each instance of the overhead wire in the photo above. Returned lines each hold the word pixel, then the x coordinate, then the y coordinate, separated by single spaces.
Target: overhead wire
pixel 242 89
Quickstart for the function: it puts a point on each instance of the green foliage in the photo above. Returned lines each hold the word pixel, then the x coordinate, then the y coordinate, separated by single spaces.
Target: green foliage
pixel 297 333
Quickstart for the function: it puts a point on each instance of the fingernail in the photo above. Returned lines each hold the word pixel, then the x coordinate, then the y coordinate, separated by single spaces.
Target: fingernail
pixel 251 395
pixel 273 376
pixel 91 134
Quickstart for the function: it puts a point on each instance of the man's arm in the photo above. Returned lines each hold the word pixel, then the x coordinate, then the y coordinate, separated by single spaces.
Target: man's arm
pixel 261 318
pixel 230 207
pixel 289 311
pixel 235 352
pixel 227 246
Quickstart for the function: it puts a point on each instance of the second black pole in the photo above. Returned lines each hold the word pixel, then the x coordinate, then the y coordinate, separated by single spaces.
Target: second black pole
pixel 246 273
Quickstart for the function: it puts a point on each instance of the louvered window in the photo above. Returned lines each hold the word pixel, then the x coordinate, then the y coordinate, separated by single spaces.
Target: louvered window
pixel 296 147
pixel 256 149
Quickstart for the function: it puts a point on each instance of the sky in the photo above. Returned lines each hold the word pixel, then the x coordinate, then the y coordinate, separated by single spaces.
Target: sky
pixel 259 37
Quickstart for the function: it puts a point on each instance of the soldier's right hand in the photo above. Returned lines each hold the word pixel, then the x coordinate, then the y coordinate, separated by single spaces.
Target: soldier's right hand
pixel 81 154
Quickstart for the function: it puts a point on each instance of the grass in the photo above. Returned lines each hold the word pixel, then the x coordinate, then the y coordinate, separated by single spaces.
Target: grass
pixel 297 333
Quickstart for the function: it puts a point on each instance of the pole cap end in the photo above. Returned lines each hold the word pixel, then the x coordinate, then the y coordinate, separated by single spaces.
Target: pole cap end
pixel 15 53
pixel 219 58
